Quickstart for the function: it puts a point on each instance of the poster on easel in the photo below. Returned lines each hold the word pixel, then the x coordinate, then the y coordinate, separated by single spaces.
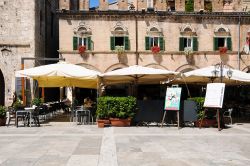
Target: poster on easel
pixel 214 95
pixel 173 98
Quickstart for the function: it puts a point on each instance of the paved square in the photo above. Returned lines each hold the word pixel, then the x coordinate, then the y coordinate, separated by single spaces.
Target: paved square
pixel 64 143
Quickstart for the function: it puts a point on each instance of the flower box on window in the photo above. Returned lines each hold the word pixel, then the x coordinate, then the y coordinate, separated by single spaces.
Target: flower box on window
pixel 223 50
pixel 82 49
pixel 155 49
pixel 119 49
pixel 188 51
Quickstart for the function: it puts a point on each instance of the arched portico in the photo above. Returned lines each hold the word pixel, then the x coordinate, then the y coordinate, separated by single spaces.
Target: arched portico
pixel 2 88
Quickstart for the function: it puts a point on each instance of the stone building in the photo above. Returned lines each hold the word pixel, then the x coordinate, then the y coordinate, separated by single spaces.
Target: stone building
pixel 121 36
pixel 28 29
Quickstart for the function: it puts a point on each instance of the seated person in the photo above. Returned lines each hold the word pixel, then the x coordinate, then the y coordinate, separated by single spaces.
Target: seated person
pixel 66 104
pixel 87 103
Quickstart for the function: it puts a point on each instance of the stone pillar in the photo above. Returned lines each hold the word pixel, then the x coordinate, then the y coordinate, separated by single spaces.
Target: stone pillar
pixel 123 4
pixel 103 5
pixel 142 4
pixel 180 5
pixel 84 5
pixel 160 5
pixel 64 4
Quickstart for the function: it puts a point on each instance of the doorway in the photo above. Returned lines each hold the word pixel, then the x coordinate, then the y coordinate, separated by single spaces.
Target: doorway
pixel 2 88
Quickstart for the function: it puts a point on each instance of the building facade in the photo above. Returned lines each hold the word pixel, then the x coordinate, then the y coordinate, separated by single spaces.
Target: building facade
pixel 28 29
pixel 127 36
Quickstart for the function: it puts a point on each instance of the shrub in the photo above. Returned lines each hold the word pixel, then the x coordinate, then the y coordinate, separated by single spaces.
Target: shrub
pixel 37 101
pixel 200 102
pixel 2 112
pixel 116 107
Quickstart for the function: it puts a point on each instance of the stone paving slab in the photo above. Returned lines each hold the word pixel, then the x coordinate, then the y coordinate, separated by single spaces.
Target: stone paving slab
pixel 68 144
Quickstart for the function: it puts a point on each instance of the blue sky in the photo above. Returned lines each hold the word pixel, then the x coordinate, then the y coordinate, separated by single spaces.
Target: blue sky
pixel 94 3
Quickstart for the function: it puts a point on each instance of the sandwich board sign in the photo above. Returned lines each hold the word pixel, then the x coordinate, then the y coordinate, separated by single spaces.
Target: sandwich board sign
pixel 214 95
pixel 173 98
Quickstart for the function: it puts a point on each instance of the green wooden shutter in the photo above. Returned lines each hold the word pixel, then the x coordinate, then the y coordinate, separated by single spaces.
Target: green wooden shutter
pixel 75 43
pixel 161 43
pixel 147 43
pixel 112 43
pixel 216 44
pixel 181 44
pixel 195 44
pixel 229 43
pixel 126 43
pixel 89 43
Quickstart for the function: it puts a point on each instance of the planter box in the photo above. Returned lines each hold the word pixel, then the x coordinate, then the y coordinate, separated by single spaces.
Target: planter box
pixel 2 121
pixel 102 122
pixel 206 123
pixel 116 122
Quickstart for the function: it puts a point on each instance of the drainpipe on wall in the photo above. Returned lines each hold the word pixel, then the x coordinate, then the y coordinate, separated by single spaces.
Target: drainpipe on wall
pixel 239 42
pixel 136 39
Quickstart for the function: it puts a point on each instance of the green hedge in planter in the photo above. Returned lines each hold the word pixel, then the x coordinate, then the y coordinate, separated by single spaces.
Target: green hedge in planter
pixel 116 107
pixel 2 112
pixel 200 102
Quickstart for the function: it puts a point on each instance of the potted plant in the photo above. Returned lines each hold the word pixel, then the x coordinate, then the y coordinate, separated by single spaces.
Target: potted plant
pixel 155 49
pixel 37 101
pixel 202 121
pixel 120 110
pixel 102 112
pixel 2 115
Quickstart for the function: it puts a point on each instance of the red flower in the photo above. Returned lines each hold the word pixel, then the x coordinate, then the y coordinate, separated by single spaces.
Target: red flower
pixel 82 49
pixel 155 49
pixel 223 50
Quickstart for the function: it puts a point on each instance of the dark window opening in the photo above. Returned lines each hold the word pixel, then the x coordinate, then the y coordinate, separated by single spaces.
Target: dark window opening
pixel 119 41
pixel 171 5
pixel 189 5
pixel 208 6
pixel 221 42
pixel 74 5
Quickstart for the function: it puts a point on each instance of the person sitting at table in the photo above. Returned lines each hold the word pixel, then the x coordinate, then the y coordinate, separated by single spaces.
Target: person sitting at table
pixel 87 103
pixel 66 104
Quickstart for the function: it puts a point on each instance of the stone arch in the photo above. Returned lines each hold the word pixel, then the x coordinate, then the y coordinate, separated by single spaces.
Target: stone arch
pixel 186 68
pixel 154 30
pixel 156 66
pixel 2 88
pixel 119 29
pixel 115 66
pixel 82 29
pixel 187 30
pixel 88 66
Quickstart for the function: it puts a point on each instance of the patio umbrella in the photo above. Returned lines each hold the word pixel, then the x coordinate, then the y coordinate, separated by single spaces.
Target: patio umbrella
pixel 205 75
pixel 61 74
pixel 137 74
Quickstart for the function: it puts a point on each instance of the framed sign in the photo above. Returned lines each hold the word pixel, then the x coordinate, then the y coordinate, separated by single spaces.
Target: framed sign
pixel 173 98
pixel 214 95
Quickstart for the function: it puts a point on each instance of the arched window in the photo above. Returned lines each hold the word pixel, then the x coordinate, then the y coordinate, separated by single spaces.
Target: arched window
pixel 119 39
pixel 82 37
pixel 188 39
pixel 154 38
pixel 222 38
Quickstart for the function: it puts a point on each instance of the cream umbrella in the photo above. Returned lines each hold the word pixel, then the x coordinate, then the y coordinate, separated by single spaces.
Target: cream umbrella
pixel 61 74
pixel 137 74
pixel 207 74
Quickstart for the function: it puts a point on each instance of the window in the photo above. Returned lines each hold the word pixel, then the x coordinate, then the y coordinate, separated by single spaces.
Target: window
pixel 222 42
pixel 189 5
pixel 208 6
pixel 154 41
pixel 188 42
pixel 81 41
pixel 119 41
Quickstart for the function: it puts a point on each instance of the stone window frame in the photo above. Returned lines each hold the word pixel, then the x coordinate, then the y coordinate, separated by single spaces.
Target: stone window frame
pixel 188 33
pixel 119 30
pixel 82 33
pixel 222 31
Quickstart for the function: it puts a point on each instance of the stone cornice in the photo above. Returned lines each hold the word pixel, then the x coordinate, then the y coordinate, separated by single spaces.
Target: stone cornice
pixel 82 14
pixel 14 45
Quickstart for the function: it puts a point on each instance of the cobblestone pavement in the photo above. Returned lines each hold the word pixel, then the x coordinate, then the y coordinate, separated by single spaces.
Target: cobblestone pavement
pixel 72 145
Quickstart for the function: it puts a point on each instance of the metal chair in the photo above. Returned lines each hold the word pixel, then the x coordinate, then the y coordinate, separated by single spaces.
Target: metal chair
pixel 228 114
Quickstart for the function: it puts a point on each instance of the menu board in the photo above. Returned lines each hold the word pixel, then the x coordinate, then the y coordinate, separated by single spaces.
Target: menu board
pixel 173 98
pixel 214 95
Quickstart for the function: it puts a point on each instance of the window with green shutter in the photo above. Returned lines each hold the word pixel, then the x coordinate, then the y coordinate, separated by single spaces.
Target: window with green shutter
pixel 147 43
pixel 75 43
pixel 89 43
pixel 229 43
pixel 161 43
pixel 195 44
pixel 112 43
pixel 126 43
pixel 216 47
pixel 181 44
